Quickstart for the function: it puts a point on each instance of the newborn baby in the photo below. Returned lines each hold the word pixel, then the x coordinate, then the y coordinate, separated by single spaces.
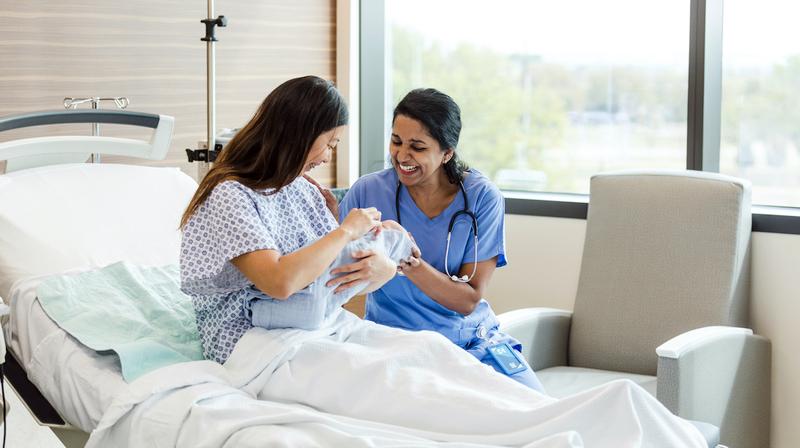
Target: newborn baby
pixel 308 308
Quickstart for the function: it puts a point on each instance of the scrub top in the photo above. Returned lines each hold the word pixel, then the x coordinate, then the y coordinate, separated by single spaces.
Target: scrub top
pixel 399 303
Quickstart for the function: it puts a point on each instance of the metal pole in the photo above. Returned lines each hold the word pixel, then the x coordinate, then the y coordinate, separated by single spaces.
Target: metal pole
pixel 211 111
pixel 95 130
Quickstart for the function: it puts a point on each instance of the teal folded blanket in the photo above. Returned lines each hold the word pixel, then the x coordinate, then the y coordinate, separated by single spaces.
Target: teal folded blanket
pixel 138 312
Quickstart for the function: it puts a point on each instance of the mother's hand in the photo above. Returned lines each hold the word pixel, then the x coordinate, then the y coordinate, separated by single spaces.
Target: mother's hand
pixel 371 267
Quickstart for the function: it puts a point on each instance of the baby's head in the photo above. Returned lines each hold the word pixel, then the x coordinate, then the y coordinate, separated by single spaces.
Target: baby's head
pixel 387 226
pixel 391 225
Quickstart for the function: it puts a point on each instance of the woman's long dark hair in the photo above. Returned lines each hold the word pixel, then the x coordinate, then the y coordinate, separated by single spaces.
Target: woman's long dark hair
pixel 271 149
pixel 441 116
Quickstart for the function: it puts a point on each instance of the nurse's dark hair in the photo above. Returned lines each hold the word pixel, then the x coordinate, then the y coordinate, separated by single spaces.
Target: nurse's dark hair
pixel 441 116
pixel 271 149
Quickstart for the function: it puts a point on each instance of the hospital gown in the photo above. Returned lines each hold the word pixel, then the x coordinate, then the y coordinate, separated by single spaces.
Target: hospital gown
pixel 235 220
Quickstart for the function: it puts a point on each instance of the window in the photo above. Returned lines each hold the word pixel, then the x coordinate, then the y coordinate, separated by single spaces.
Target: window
pixel 760 114
pixel 550 97
pixel 553 92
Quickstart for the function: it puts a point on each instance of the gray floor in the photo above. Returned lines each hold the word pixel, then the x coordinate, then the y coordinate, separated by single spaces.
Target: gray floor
pixel 22 431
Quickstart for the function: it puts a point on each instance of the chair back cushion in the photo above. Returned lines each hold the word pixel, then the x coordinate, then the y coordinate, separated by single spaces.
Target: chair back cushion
pixel 665 252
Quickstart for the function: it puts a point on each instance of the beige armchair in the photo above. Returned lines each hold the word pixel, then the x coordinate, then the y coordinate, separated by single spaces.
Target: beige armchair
pixel 662 300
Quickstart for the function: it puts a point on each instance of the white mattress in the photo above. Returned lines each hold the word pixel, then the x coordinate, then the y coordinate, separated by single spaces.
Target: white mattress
pixel 78 382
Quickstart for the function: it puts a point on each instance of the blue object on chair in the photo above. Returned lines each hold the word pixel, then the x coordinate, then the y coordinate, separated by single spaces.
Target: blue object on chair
pixel 339 193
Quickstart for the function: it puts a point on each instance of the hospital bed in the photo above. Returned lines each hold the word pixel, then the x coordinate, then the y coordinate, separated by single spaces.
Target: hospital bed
pixel 60 215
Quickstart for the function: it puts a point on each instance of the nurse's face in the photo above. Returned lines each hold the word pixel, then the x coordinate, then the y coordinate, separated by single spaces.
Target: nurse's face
pixel 417 157
pixel 322 149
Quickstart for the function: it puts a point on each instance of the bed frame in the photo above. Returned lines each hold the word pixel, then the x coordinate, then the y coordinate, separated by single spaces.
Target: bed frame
pixel 32 152
pixel 42 151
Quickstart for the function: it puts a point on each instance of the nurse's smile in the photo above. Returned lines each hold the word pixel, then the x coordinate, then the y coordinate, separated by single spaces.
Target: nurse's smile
pixel 407 170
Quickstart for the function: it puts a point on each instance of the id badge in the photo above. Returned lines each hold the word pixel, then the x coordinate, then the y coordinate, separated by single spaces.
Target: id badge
pixel 507 358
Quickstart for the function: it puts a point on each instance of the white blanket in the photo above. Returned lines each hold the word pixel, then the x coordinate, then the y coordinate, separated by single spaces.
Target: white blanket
pixel 361 384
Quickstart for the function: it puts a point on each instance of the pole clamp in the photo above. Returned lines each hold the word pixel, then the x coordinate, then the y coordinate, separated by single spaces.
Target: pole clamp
pixel 220 21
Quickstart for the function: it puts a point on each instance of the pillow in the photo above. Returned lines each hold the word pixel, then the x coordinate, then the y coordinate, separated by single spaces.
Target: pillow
pixel 70 217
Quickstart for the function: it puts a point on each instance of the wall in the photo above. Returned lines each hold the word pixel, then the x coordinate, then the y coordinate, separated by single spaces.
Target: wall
pixel 544 263
pixel 150 51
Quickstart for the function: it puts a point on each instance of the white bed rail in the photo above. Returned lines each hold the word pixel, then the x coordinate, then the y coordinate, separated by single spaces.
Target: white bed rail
pixel 39 151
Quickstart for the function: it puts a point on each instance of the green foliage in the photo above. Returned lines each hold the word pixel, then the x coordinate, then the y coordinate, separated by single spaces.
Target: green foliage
pixel 571 120
pixel 487 87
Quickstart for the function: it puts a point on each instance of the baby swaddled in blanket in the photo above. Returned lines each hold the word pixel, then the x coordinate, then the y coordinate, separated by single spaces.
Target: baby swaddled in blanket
pixel 312 306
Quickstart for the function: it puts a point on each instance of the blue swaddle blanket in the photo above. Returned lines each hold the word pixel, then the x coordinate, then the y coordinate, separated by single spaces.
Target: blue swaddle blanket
pixel 310 307
pixel 138 312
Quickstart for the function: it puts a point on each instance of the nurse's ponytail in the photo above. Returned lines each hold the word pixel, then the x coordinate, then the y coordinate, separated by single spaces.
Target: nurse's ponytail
pixel 455 168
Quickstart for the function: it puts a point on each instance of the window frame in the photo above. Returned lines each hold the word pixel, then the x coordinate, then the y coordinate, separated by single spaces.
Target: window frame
pixel 703 115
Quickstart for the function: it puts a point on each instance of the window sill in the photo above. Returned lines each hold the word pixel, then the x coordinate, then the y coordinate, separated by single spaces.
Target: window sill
pixel 766 219
pixel 553 205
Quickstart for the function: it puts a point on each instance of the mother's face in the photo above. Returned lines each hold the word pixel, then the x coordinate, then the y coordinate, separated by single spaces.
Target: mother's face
pixel 416 156
pixel 322 149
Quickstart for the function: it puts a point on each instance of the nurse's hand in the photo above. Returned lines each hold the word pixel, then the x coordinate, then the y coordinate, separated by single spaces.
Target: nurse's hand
pixel 413 261
pixel 330 199
pixel 360 221
pixel 374 268
pixel 406 266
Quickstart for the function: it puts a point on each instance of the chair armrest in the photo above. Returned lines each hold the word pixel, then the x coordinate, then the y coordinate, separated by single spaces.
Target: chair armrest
pixel 719 375
pixel 543 332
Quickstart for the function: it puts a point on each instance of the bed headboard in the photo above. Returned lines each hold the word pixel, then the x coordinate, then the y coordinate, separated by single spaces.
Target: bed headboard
pixel 39 151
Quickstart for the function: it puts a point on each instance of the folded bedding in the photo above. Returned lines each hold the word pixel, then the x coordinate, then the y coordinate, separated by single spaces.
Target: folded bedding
pixel 138 312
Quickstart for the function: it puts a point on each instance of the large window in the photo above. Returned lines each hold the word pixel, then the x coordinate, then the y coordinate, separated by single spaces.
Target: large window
pixel 760 130
pixel 551 92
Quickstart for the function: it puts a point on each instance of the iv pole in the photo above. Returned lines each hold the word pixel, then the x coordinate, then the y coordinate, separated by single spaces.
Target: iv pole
pixel 210 153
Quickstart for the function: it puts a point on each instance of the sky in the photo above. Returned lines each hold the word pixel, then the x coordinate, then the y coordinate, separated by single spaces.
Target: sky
pixel 648 32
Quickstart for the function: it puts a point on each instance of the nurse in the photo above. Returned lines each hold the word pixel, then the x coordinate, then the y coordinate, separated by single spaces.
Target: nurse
pixel 456 216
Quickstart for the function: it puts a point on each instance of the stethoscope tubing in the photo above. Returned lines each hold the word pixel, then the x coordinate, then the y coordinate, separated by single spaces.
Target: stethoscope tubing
pixel 473 224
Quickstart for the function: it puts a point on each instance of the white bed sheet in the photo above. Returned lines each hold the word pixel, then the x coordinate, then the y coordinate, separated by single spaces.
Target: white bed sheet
pixel 79 382
pixel 359 384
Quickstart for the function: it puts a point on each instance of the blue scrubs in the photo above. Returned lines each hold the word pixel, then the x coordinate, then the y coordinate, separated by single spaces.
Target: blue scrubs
pixel 399 303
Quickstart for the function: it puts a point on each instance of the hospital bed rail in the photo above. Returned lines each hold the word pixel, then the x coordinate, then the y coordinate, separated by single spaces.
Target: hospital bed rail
pixel 38 151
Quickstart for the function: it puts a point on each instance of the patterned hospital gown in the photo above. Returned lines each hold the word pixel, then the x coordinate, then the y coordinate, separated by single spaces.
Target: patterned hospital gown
pixel 235 220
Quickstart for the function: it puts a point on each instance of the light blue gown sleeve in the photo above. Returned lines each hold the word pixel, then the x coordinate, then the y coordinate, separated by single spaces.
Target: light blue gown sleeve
pixel 490 213
pixel 225 226
pixel 237 223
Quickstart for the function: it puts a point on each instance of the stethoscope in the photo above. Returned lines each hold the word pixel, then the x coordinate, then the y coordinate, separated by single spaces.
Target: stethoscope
pixel 473 223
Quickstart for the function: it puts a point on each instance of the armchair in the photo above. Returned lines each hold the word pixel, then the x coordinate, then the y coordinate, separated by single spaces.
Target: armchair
pixel 662 300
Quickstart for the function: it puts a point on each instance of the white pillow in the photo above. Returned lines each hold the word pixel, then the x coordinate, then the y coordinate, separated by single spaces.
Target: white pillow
pixel 81 216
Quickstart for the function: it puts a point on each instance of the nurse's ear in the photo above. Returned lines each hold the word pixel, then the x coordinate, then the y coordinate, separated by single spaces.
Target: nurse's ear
pixel 447 156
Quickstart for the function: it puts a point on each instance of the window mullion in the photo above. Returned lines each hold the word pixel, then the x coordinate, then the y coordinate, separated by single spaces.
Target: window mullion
pixel 705 85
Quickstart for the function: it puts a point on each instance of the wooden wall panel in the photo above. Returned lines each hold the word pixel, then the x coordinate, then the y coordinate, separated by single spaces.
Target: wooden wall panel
pixel 150 51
